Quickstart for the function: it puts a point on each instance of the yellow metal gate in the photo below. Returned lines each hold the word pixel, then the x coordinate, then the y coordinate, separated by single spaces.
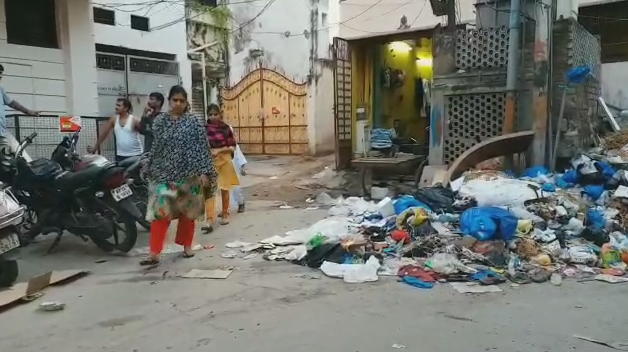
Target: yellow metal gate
pixel 268 112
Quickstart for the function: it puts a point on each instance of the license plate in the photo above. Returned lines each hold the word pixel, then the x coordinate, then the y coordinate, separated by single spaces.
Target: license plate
pixel 121 193
pixel 8 243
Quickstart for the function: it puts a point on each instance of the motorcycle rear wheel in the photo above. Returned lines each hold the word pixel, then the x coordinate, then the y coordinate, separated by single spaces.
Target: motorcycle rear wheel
pixel 8 272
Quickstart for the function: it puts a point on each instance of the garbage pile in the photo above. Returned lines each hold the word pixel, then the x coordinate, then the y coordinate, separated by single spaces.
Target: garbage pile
pixel 485 229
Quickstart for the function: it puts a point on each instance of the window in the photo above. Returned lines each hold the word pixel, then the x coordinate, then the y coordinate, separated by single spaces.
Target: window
pixel 140 23
pixel 104 16
pixel 31 23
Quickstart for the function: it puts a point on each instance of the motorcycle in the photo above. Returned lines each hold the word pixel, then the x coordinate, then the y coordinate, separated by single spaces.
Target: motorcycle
pixel 91 202
pixel 11 213
pixel 66 155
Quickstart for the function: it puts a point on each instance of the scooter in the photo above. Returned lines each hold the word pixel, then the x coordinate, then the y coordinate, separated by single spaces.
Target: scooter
pixel 11 214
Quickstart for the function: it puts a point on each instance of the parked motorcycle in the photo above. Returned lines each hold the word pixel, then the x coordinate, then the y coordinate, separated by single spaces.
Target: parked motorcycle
pixel 66 155
pixel 139 186
pixel 11 213
pixel 91 202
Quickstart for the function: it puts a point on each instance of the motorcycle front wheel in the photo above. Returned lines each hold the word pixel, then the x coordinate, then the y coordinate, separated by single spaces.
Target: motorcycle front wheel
pixel 118 215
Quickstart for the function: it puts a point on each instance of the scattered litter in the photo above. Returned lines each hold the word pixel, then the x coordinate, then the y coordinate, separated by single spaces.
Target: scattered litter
pixel 611 279
pixel 51 306
pixel 237 244
pixel 398 346
pixel 229 255
pixel 250 256
pixel 472 287
pixel 620 346
pixel 273 177
pixel 208 274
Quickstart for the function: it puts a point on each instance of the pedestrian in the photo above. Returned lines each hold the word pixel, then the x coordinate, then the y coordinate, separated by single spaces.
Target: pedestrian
pixel 125 128
pixel 7 140
pixel 181 175
pixel 222 142
pixel 153 108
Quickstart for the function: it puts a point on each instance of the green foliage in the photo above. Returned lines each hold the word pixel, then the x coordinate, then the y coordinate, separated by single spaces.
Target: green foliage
pixel 221 18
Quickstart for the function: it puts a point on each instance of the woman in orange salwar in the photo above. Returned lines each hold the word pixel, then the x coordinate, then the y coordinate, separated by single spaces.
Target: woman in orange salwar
pixel 181 173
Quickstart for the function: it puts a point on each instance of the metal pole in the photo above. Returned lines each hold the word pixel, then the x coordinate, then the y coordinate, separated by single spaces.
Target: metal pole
pixel 204 74
pixel 541 81
pixel 513 66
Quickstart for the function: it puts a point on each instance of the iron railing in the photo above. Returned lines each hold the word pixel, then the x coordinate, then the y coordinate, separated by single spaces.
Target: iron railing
pixel 49 136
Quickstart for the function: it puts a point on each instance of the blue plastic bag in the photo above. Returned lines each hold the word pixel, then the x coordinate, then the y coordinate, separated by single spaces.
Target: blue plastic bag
pixel 406 202
pixel 488 223
pixel 535 171
pixel 593 191
pixel 571 177
pixel 607 170
pixel 595 219
pixel 548 187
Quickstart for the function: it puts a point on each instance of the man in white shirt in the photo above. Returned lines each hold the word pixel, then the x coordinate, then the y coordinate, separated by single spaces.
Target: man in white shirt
pixel 126 129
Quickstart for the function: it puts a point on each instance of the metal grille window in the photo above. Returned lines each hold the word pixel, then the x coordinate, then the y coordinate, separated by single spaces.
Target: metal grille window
pixel 153 66
pixel 31 23
pixel 110 62
pixel 140 23
pixel 104 16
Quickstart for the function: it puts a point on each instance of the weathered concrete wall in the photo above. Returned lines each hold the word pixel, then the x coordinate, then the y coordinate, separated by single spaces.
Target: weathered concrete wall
pixel 573 46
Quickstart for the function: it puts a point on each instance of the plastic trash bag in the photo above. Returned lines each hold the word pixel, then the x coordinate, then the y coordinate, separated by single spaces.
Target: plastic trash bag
pixel 488 223
pixel 414 217
pixel 593 191
pixel 438 199
pixel 353 273
pixel 405 202
pixel 535 171
pixel 595 219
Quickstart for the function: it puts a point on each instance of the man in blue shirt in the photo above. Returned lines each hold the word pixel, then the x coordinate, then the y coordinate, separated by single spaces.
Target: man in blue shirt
pixel 6 138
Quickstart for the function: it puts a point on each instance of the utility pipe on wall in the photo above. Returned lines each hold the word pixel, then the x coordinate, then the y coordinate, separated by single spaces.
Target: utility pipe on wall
pixel 513 66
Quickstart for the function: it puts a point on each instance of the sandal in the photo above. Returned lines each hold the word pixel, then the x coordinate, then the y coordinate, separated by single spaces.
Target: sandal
pixel 207 229
pixel 188 255
pixel 149 262
pixel 224 221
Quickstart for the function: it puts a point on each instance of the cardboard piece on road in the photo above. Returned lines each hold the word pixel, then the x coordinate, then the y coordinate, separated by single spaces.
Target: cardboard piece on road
pixel 207 274
pixel 22 290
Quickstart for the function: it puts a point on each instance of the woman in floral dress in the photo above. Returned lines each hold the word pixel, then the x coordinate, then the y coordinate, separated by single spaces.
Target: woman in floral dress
pixel 181 175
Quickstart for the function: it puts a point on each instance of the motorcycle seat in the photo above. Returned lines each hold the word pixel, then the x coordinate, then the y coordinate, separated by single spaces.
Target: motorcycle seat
pixel 128 162
pixel 79 179
pixel 44 168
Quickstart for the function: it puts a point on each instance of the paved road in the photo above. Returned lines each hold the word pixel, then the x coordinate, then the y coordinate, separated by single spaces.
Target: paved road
pixel 266 306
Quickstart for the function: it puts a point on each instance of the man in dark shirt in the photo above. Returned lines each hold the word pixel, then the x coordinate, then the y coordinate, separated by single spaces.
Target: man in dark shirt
pixel 153 108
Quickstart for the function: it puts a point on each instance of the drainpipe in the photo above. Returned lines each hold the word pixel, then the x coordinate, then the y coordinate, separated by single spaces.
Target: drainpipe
pixel 513 66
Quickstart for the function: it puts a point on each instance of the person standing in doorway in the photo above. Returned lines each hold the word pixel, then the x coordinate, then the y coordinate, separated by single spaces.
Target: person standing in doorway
pixel 126 132
pixel 153 108
pixel 7 140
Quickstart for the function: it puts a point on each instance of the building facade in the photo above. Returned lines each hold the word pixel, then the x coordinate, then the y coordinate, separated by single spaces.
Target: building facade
pixel 47 50
pixel 141 47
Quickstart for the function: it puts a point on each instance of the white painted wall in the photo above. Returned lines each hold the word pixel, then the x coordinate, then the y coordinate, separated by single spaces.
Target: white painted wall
pixel 367 17
pixel 54 81
pixel 168 30
pixel 278 31
pixel 615 84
